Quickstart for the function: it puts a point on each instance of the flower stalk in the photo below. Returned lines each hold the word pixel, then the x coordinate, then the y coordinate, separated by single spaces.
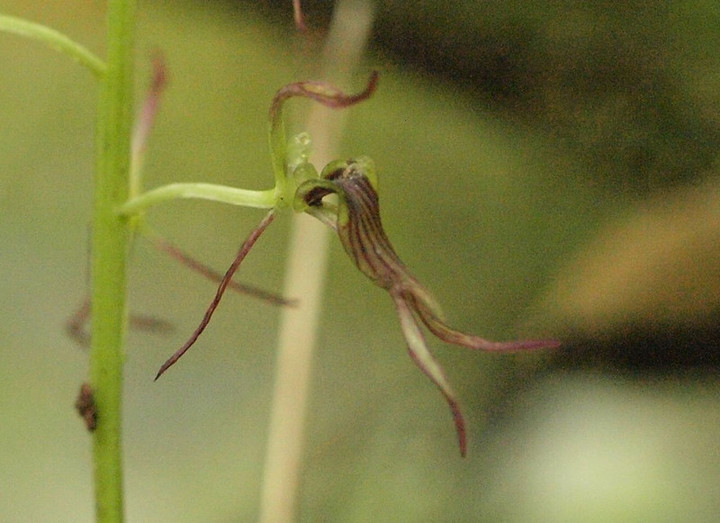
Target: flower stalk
pixel 110 239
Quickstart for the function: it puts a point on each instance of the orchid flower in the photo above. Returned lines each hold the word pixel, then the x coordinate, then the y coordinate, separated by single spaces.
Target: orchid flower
pixel 356 219
pixel 355 216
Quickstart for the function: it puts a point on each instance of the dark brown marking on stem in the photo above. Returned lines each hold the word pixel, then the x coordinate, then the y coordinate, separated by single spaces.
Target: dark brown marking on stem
pixel 85 405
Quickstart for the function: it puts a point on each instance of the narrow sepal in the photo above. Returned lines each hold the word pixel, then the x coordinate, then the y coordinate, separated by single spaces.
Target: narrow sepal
pixel 224 283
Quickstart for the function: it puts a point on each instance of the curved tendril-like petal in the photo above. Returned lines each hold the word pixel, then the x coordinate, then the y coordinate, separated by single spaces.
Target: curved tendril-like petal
pixel 424 359
pixel 242 253
pixel 322 92
pixel 440 329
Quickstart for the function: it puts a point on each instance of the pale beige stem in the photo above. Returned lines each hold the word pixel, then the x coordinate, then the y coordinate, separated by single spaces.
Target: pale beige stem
pixel 305 277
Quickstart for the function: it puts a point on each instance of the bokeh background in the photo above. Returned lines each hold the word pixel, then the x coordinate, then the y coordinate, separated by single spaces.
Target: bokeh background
pixel 547 168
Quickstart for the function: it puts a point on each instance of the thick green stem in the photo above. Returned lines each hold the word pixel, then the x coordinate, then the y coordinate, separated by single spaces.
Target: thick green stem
pixel 109 254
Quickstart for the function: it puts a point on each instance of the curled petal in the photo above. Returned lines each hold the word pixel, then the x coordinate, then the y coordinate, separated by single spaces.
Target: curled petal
pixel 322 92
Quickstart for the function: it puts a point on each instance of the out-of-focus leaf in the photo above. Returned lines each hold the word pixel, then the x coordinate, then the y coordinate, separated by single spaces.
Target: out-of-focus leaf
pixel 658 264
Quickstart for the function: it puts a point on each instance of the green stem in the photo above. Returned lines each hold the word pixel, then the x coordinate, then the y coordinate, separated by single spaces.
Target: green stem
pixel 206 191
pixel 54 40
pixel 109 254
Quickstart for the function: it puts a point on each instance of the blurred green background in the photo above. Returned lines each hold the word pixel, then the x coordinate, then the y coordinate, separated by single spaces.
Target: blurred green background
pixel 547 168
